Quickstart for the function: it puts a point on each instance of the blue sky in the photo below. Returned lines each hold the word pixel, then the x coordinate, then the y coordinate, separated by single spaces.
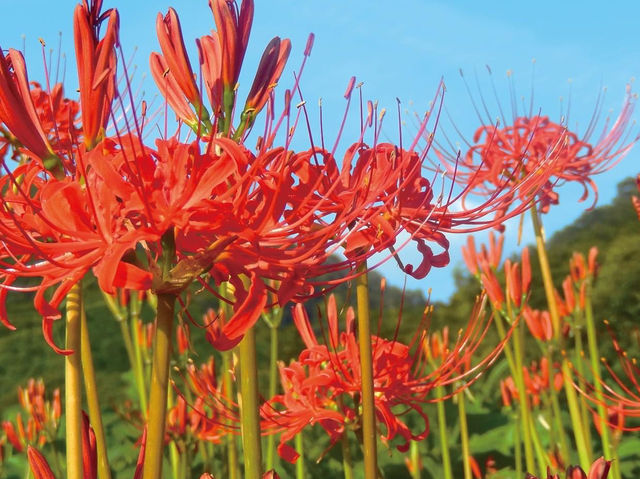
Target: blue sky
pixel 404 51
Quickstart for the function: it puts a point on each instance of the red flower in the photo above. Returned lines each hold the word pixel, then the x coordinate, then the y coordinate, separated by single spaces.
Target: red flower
pixel 96 62
pixel 324 384
pixel 508 150
pixel 599 470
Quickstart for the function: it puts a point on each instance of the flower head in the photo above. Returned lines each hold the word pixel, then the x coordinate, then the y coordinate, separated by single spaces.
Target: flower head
pixel 598 470
pixel 323 385
pixel 506 149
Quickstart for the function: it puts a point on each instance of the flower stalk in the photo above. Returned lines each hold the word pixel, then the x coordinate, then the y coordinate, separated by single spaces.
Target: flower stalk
pixel 368 417
pixel 93 403
pixel 273 321
pixel 347 459
pixel 464 436
pixel 159 387
pixel 232 450
pixel 594 355
pixel 73 383
pixel 572 400
pixel 444 439
pixel 300 467
pixel 250 406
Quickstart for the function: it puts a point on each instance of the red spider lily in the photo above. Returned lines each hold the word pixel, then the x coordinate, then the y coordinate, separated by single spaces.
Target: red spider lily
pixel 615 421
pixel 221 57
pixel 484 266
pixel 538 378
pixel 210 417
pixel 511 147
pixel 323 385
pixel 17 109
pixel 489 467
pixel 621 395
pixel 234 28
pixel 43 417
pixel 215 331
pixel 231 215
pixel 40 467
pixel 598 470
pixel 539 323
pixel 96 62
pixel 41 470
pixel 492 257
pixel 172 71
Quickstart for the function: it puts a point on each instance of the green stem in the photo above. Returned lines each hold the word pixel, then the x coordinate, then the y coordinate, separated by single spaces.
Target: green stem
pixel 57 463
pixel 347 459
pixel 546 273
pixel 159 386
pixel 73 383
pixel 366 367
pixel 93 403
pixel 232 451
pixel 273 323
pixel 517 446
pixel 444 440
pixel 174 459
pixel 541 456
pixel 584 407
pixel 300 469
pixel 525 412
pixel 576 420
pixel 574 410
pixel 464 436
pixel 557 417
pixel 414 457
pixel 137 364
pixel 250 407
pixel 607 446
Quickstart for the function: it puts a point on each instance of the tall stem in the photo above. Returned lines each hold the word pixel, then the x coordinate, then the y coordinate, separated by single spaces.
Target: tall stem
pixel 249 406
pixel 91 390
pixel 464 436
pixel 559 427
pixel 523 402
pixel 159 387
pixel 274 322
pixel 232 450
pixel 574 409
pixel 366 367
pixel 517 439
pixel 347 459
pixel 300 469
pixel 73 383
pixel 546 273
pixel 607 448
pixel 585 413
pixel 576 420
pixel 444 440
pixel 138 367
pixel 414 458
pixel 227 384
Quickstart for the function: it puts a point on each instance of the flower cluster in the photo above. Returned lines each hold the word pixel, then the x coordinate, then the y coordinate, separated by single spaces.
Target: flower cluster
pixel 538 378
pixel 323 385
pixel 42 417
pixel 598 470
pixel 88 194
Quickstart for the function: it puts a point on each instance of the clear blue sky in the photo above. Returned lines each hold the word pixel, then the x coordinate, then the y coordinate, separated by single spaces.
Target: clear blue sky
pixel 403 51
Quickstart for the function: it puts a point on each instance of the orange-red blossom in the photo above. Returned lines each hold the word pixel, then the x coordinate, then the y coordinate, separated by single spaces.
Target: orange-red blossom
pixel 598 470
